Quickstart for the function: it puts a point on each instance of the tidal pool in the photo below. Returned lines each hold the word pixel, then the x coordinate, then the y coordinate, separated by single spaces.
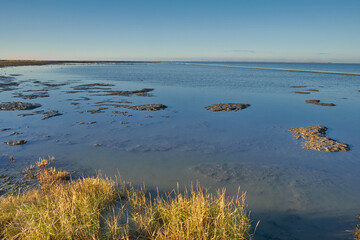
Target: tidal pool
pixel 89 120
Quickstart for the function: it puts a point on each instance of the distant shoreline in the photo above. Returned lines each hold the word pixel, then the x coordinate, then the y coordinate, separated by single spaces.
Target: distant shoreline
pixel 15 63
pixel 271 69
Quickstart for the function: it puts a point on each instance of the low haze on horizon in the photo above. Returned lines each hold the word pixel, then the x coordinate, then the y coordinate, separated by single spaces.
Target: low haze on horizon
pixel 286 31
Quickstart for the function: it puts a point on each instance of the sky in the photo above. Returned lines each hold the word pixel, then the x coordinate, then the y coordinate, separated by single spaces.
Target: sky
pixel 174 30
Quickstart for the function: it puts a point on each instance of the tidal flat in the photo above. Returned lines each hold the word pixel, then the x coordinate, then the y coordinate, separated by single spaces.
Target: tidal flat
pixel 149 121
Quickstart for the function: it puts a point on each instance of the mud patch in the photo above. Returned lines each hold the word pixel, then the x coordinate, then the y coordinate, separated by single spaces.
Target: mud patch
pixel 317 102
pixel 129 93
pixel 227 107
pixel 32 96
pixel 15 142
pixel 46 115
pixel 11 106
pixel 4 129
pixel 316 139
pixel 7 83
pixel 99 110
pixel 87 123
pixel 147 107
pixel 92 86
pixel 50 114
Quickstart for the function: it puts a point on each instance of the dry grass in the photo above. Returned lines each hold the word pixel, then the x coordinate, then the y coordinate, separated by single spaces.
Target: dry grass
pixel 81 209
pixel 42 163
pixel 357 231
pixel 52 176
pixel 63 211
pixel 29 172
pixel 192 215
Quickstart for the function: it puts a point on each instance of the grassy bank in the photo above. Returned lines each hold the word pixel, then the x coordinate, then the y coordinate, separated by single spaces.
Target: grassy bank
pixel 100 208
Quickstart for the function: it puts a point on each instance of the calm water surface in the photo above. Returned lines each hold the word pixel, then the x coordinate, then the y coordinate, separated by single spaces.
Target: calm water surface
pixel 295 193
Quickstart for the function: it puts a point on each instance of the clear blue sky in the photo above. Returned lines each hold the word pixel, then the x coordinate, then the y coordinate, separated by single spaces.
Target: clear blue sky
pixel 233 30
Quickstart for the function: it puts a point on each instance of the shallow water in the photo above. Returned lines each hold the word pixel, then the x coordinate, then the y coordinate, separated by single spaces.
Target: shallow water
pixel 296 193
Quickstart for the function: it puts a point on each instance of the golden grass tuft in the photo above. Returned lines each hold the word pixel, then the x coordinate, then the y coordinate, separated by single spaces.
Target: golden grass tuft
pixel 52 176
pixel 192 215
pixel 357 230
pixel 42 163
pixel 63 211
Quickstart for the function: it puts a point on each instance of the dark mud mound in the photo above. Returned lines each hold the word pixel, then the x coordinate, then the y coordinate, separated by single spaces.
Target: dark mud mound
pixel 300 92
pixel 317 102
pixel 147 107
pixel 316 139
pixel 227 107
pixel 11 106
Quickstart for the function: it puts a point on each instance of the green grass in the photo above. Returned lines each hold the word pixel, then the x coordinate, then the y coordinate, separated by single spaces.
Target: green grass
pixel 100 208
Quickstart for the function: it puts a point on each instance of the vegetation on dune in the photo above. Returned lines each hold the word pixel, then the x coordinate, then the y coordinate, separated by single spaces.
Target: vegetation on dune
pixel 101 208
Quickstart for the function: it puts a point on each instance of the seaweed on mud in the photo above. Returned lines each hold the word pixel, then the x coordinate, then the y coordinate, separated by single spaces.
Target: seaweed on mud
pixel 301 92
pixel 316 139
pixel 317 102
pixel 11 106
pixel 227 107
